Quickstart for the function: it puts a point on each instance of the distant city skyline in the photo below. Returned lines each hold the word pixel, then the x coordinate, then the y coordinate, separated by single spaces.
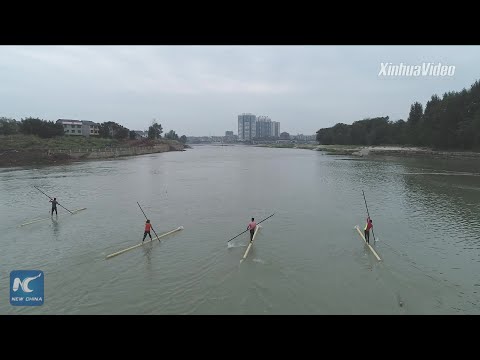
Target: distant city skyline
pixel 200 90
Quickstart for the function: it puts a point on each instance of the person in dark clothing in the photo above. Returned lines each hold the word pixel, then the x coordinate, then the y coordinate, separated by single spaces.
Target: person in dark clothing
pixel 54 206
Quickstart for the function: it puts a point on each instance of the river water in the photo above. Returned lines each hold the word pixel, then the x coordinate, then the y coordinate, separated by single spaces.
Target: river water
pixel 306 259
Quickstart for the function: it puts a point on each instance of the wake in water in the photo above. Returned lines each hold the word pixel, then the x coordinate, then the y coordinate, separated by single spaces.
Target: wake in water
pixel 263 262
pixel 233 245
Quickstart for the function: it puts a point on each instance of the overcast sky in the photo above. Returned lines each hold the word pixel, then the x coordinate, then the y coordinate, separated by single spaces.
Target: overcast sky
pixel 200 90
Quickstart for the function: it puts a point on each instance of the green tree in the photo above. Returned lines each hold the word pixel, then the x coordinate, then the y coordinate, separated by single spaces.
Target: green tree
pixel 155 131
pixel 476 130
pixel 399 132
pixel 415 115
pixel 171 135
pixel 359 132
pixel 183 139
pixel 112 130
pixel 105 130
pixel 450 122
pixel 414 122
pixel 41 128
pixel 8 126
pixel 324 136
pixel 430 120
pixel 121 133
pixel 341 134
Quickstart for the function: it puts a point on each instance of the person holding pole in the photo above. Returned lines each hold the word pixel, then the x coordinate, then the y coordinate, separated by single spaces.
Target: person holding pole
pixel 251 226
pixel 368 226
pixel 244 231
pixel 54 206
pixel 54 202
pixel 148 226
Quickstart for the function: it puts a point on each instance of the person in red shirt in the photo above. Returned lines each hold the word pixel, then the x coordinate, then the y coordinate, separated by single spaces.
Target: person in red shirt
pixel 251 226
pixel 368 226
pixel 148 227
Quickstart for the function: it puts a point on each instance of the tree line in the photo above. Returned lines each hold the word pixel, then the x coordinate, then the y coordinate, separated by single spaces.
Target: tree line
pixel 450 122
pixel 108 130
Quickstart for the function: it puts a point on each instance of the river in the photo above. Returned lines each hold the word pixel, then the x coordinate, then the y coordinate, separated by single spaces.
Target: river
pixel 306 259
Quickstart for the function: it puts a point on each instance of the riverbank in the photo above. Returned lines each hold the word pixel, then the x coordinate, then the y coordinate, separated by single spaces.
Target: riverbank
pixel 25 150
pixel 289 146
pixel 401 151
pixel 371 151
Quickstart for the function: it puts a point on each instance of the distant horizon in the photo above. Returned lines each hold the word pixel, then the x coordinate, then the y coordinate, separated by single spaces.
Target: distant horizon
pixel 200 90
pixel 235 133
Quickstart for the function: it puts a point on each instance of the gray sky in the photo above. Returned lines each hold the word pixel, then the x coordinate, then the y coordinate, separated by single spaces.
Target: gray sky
pixel 200 90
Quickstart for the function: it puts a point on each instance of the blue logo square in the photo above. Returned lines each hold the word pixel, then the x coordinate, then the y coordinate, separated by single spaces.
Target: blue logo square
pixel 26 287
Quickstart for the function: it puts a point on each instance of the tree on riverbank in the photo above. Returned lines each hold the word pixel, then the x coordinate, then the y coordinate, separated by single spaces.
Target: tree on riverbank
pixel 155 131
pixel 450 122
pixel 112 130
pixel 8 126
pixel 50 129
pixel 171 135
pixel 39 127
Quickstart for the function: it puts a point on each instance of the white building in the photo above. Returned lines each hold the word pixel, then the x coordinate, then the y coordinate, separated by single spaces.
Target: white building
pixel 263 127
pixel 79 127
pixel 246 127
pixel 275 129
pixel 139 134
pixel 251 126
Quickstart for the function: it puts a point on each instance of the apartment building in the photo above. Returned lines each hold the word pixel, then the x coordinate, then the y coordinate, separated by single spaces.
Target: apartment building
pixel 79 127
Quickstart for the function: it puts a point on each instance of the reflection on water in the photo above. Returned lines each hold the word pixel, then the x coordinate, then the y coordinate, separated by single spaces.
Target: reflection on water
pixel 55 226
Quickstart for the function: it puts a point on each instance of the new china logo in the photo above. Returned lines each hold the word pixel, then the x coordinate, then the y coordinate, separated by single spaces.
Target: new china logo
pixel 26 288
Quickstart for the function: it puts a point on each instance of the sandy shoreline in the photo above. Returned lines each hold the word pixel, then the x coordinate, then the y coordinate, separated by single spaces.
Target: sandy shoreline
pixel 367 151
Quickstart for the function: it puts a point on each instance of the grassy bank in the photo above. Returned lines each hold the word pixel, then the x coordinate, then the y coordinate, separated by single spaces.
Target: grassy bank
pixel 281 146
pixel 32 142
pixel 294 146
pixel 338 149
pixel 21 150
pixel 306 146
pixel 290 146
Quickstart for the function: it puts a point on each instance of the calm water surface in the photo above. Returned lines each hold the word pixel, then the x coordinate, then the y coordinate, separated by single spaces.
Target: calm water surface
pixel 307 258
